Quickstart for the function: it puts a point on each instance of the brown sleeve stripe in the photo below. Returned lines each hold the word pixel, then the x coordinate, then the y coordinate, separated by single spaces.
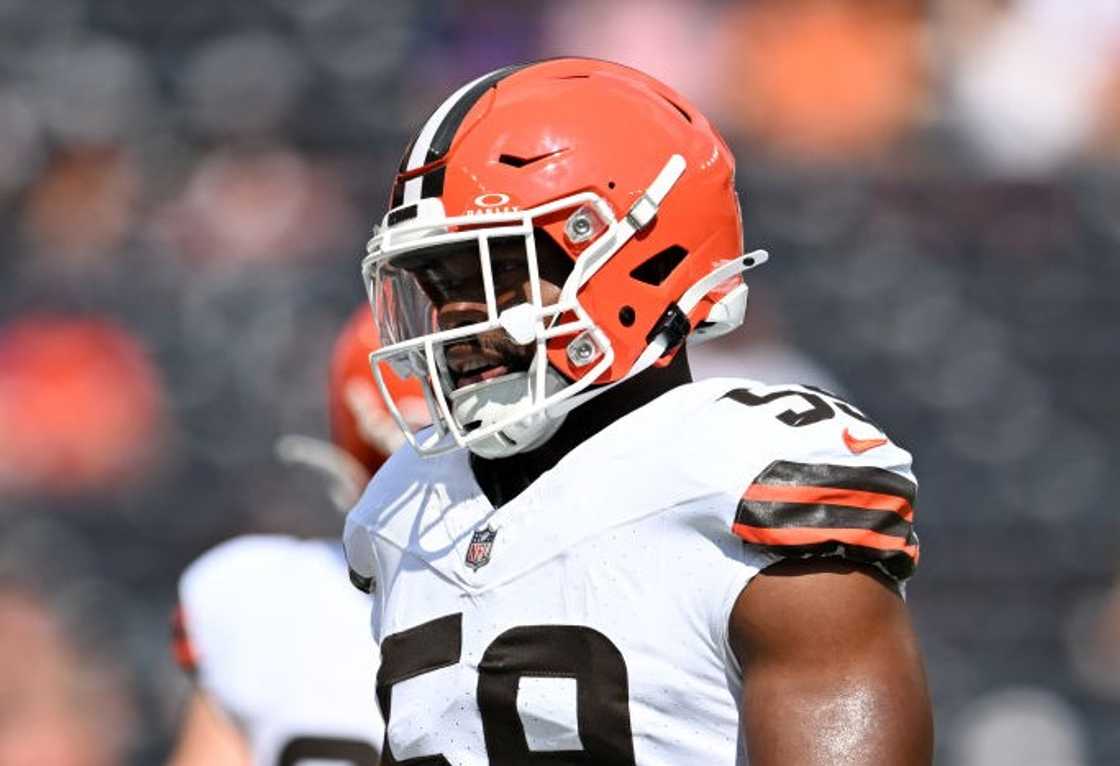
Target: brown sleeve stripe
pixel 181 647
pixel 863 478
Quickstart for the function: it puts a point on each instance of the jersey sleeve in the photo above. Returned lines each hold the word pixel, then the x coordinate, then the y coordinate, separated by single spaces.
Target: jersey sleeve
pixel 827 481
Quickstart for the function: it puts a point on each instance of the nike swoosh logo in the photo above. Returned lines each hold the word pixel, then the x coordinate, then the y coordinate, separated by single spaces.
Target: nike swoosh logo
pixel 859 446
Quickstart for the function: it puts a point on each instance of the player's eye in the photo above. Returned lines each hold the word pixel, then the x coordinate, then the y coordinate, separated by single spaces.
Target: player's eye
pixel 443 288
pixel 510 267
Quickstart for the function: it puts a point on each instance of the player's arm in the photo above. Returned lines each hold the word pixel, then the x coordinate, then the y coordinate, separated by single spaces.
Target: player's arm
pixel 833 674
pixel 208 737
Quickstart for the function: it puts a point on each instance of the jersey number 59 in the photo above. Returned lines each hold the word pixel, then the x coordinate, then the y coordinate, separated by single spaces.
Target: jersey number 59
pixel 544 651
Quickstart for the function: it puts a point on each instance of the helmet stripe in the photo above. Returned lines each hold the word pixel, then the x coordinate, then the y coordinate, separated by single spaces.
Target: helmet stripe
pixel 441 141
pixel 434 139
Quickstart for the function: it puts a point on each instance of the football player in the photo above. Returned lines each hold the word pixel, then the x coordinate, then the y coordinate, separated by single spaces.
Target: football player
pixel 589 558
pixel 276 639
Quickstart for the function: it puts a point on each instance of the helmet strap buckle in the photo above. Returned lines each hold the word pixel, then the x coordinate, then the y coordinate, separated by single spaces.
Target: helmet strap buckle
pixel 673 325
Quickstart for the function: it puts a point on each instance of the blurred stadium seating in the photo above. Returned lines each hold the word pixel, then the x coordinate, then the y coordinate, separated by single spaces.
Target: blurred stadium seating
pixel 187 186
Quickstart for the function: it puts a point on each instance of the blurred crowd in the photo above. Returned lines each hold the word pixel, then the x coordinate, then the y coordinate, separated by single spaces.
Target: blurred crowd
pixel 185 189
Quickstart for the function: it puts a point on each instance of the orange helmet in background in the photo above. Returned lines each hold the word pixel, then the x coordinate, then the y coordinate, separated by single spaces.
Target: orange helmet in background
pixel 363 432
pixel 360 422
pixel 613 168
pixel 82 407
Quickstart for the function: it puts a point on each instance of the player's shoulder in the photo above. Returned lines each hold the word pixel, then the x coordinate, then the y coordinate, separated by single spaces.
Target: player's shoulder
pixel 255 582
pixel 404 467
pixel 810 472
pixel 797 422
pixel 409 479
pixel 405 494
pixel 251 606
pixel 721 434
pixel 240 573
pixel 254 554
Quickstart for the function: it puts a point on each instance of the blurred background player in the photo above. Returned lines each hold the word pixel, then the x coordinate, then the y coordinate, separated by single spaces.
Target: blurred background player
pixel 275 638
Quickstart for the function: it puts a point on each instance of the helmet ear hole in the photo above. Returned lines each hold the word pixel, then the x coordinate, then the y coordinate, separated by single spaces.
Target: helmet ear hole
pixel 659 266
pixel 553 262
pixel 626 316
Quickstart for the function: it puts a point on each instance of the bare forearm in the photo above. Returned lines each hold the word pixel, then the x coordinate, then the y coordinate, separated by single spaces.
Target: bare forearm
pixel 208 738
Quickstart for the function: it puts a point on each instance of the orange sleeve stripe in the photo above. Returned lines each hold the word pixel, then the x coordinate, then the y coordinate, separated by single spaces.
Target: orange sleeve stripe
pixel 852 498
pixel 810 536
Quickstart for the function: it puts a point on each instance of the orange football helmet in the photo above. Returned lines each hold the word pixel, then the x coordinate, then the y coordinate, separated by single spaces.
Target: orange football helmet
pixel 615 169
pixel 363 434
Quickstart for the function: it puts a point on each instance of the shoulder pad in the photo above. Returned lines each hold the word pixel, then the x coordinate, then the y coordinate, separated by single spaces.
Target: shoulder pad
pixel 232 567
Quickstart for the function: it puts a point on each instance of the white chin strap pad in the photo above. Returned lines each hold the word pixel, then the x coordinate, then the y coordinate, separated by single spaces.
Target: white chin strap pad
pixel 481 404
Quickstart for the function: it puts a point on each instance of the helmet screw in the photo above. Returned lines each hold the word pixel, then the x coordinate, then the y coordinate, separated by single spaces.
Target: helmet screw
pixel 582 225
pixel 583 350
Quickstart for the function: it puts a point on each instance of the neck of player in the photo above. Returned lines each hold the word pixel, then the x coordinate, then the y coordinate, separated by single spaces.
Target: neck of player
pixel 505 478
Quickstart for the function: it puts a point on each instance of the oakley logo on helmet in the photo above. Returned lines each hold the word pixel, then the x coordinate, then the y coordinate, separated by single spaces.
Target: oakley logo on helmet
pixel 493 199
pixel 491 203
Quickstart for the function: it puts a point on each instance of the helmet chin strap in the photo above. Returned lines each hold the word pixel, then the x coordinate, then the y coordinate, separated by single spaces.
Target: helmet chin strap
pixel 486 402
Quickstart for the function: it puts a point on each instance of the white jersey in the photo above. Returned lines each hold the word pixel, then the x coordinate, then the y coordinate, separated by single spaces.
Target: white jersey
pixel 280 640
pixel 589 615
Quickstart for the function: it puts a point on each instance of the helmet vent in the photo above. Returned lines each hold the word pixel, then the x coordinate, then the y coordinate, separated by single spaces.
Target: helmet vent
pixel 658 267
pixel 520 162
pixel 678 107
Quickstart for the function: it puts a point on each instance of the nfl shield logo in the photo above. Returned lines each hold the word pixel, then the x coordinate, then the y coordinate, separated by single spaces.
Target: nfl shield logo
pixel 478 552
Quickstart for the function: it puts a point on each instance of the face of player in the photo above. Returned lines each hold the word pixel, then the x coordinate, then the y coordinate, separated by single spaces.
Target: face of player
pixel 451 279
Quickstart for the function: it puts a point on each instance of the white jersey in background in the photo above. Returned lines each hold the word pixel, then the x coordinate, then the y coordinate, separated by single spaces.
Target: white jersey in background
pixel 280 640
pixel 589 615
